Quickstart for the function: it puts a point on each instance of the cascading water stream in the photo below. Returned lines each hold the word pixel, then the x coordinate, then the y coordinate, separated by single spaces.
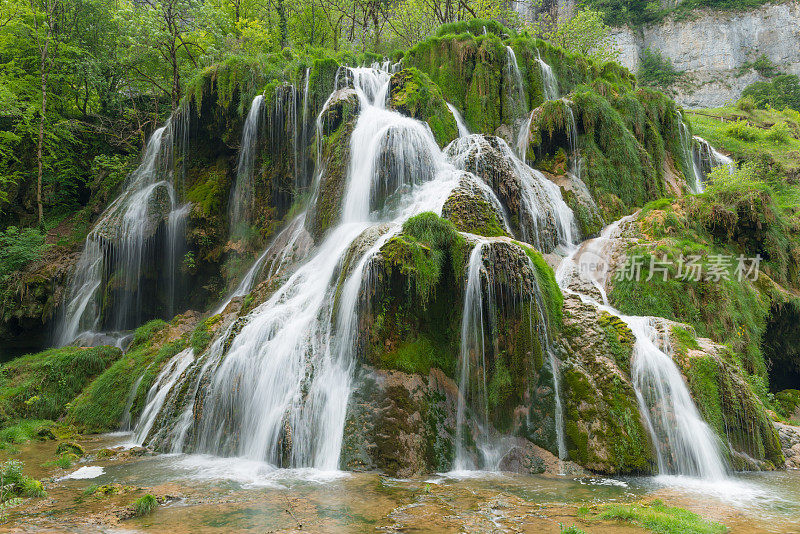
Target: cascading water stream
pixel 473 343
pixel 549 80
pixel 684 444
pixel 241 202
pixel 463 131
pixel 284 375
pixel 513 73
pixel 706 158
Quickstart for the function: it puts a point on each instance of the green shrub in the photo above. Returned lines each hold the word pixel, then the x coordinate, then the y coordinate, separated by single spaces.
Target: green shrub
pixel 145 505
pixel 746 104
pixel 742 131
pixel 779 133
pixel 782 92
pixel 657 71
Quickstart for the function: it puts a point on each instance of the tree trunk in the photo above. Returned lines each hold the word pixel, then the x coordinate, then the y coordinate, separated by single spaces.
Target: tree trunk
pixel 40 148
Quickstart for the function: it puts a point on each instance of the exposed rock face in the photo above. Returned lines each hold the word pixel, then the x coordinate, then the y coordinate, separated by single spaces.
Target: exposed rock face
pixel 713 47
pixel 790 444
pixel 400 423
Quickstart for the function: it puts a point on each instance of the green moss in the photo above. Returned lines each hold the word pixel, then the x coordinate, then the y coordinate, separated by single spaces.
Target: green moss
pixel 99 408
pixel 70 447
pixel 787 402
pixel 472 214
pixel 208 193
pixel 657 517
pixel 421 251
pixel 413 356
pixel 202 336
pixel 145 505
pixel 545 277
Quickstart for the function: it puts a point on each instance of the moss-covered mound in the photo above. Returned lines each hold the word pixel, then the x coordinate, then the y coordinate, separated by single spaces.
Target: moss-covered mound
pixel 101 407
pixel 39 386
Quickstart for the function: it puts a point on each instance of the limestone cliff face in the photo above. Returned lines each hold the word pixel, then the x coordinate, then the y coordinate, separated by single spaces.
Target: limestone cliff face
pixel 714 47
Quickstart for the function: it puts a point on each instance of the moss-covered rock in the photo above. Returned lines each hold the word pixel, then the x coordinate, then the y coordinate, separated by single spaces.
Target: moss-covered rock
pixel 726 400
pixel 604 430
pixel 102 405
pixel 491 159
pixel 412 93
pixel 471 209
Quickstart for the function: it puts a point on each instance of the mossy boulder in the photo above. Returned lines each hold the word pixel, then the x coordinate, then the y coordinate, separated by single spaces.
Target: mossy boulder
pixel 40 386
pixel 70 447
pixel 412 93
pixel 399 423
pixel 492 160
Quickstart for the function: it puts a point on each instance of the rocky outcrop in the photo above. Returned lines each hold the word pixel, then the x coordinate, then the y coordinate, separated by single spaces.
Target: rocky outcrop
pixel 716 48
pixel 412 93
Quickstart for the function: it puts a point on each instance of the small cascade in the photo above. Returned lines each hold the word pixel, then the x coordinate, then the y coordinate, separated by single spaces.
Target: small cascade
pixel 241 200
pixel 546 220
pixel 463 131
pixel 549 80
pixel 175 250
pixel 517 94
pixel 127 420
pixel 684 443
pixel 473 344
pixel 158 393
pixel 688 157
pixel 276 387
pixel 706 158
pixel 124 243
pixel 478 353
pixel 277 255
pixel 304 170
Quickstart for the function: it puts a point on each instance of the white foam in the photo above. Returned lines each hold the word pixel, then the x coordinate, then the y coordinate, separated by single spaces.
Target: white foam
pixel 84 473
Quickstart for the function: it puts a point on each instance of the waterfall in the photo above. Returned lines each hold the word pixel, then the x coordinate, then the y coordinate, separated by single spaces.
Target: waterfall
pixel 241 201
pixel 158 392
pixel 125 424
pixel 683 442
pixel 277 254
pixel 463 131
pixel 513 73
pixel 175 250
pixel 276 388
pixel 304 136
pixel 705 158
pixel 121 243
pixel 688 157
pixel 477 351
pixel 549 81
pixel 473 343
